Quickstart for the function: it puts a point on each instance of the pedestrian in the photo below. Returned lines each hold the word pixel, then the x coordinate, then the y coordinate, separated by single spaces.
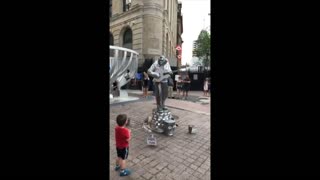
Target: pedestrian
pixel 145 84
pixel 170 87
pixel 179 85
pixel 209 86
pixel 122 136
pixel 186 87
pixel 128 78
pixel 115 89
pixel 205 87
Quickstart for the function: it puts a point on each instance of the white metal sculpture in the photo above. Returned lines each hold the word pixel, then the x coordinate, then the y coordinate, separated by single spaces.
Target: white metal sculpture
pixel 120 61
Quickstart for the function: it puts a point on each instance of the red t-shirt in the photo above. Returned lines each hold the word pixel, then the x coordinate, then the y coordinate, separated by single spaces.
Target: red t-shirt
pixel 122 135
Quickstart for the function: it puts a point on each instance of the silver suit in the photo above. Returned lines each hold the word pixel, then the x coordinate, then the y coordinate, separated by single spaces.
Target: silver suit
pixel 158 69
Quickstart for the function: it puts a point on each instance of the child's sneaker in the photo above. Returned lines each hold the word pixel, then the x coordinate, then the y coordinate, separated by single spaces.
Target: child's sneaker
pixel 125 172
pixel 117 167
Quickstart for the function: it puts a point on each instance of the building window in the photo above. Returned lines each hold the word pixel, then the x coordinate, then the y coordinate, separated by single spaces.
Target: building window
pixel 126 5
pixel 127 38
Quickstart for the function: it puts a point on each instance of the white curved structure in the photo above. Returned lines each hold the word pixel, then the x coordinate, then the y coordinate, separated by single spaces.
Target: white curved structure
pixel 120 60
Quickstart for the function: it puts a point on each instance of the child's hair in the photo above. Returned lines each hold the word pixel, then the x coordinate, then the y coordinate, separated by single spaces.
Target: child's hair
pixel 121 119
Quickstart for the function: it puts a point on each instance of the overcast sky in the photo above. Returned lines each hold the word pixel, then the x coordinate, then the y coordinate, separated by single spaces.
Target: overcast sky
pixel 195 18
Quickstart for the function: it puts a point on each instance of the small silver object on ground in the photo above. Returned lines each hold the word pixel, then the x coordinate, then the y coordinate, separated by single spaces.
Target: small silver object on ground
pixel 191 129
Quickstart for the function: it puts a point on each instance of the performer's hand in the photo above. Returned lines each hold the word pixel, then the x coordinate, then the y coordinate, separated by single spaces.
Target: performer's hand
pixel 156 75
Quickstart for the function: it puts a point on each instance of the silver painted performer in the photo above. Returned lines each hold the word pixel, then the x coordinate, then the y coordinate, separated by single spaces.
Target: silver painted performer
pixel 160 70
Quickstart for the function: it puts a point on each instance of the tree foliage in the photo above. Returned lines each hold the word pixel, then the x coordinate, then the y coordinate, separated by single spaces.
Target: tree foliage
pixel 202 47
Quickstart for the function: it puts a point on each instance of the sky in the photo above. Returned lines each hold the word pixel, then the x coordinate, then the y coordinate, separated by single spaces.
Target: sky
pixel 195 18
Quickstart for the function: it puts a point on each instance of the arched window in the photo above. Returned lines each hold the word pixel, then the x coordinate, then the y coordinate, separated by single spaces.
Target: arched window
pixel 126 5
pixel 127 38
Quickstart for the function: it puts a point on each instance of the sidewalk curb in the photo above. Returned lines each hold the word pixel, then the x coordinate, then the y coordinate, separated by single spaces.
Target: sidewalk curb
pixel 198 112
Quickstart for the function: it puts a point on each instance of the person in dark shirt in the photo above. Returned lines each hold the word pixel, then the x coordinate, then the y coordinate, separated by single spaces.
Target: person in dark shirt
pixel 186 87
pixel 128 78
pixel 170 87
pixel 115 89
pixel 179 85
pixel 145 84
pixel 209 86
pixel 122 136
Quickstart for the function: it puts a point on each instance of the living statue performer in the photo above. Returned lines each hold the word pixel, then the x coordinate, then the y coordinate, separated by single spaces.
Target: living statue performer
pixel 160 71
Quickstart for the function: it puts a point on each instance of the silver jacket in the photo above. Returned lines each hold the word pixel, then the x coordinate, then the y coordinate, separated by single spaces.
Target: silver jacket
pixel 156 71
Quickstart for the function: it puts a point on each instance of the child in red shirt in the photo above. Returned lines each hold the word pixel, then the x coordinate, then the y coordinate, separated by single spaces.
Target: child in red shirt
pixel 123 136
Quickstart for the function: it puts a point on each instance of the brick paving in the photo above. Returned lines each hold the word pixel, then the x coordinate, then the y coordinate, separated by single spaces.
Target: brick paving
pixel 180 157
pixel 192 104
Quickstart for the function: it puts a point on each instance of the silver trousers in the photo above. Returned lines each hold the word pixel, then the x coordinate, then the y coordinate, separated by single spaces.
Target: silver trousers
pixel 170 90
pixel 161 94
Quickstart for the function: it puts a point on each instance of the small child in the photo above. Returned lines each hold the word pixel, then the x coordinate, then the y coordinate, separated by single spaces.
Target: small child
pixel 123 136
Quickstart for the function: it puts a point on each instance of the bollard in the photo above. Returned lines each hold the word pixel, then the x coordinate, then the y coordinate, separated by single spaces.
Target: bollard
pixel 190 127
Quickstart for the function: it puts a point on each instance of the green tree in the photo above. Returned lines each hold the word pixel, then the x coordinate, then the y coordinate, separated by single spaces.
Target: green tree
pixel 202 48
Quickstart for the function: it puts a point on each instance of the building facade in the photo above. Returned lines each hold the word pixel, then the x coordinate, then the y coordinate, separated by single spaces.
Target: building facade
pixel 179 34
pixel 146 26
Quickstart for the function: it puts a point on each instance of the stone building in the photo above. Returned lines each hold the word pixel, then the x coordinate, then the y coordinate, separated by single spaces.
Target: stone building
pixel 146 26
pixel 179 32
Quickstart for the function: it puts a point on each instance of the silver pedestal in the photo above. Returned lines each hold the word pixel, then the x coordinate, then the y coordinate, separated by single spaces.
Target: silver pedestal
pixel 163 122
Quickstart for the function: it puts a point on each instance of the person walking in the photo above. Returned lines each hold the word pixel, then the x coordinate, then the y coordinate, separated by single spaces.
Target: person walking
pixel 128 78
pixel 179 85
pixel 209 86
pixel 115 89
pixel 145 84
pixel 170 87
pixel 186 87
pixel 205 87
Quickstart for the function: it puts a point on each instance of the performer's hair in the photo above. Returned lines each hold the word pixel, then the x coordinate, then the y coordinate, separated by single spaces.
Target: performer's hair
pixel 121 119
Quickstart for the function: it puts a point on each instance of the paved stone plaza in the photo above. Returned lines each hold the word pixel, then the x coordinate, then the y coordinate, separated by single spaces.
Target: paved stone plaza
pixel 181 157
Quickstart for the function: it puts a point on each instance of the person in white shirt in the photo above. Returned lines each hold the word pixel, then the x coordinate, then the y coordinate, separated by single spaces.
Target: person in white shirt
pixel 206 87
